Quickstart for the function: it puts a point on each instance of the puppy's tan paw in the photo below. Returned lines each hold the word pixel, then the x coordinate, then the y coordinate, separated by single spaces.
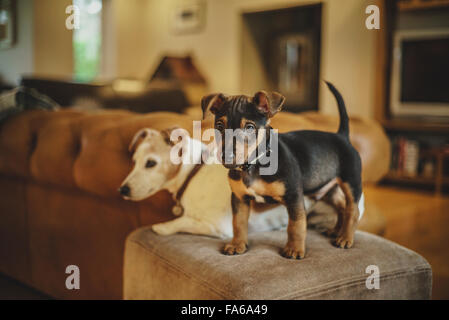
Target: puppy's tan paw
pixel 293 251
pixel 344 241
pixel 332 233
pixel 235 248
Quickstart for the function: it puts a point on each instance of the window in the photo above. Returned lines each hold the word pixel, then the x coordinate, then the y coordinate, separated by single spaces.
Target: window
pixel 87 40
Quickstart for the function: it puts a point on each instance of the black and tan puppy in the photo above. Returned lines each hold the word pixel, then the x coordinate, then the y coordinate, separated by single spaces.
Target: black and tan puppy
pixel 308 161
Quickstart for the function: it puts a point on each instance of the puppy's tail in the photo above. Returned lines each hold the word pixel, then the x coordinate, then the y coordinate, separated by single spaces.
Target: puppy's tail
pixel 343 129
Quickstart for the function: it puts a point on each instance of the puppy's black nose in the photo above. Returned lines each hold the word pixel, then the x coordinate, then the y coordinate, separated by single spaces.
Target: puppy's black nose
pixel 124 190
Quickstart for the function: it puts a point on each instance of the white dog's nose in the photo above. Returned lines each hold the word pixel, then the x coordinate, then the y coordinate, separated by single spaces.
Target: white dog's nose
pixel 124 190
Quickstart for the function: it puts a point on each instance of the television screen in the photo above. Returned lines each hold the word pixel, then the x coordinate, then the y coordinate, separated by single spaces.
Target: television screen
pixel 425 70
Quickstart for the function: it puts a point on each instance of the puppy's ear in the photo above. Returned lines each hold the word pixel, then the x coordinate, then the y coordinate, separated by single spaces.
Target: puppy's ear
pixel 268 103
pixel 212 103
pixel 139 137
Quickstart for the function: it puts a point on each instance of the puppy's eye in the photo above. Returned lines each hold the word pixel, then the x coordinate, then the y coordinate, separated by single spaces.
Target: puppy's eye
pixel 150 163
pixel 249 126
pixel 219 125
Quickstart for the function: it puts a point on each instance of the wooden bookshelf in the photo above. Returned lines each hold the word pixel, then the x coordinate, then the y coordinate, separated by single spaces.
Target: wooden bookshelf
pixel 423 130
pixel 410 5
pixel 415 125
pixel 439 180
pixel 398 177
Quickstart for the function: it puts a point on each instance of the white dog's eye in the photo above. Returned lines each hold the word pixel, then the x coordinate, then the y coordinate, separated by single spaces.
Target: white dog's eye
pixel 150 163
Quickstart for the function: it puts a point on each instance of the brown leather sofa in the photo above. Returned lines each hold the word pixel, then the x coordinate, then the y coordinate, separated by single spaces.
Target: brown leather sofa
pixel 59 174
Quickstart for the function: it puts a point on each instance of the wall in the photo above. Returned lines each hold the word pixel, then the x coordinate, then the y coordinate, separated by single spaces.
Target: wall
pixel 53 55
pixel 144 35
pixel 44 46
pixel 108 41
pixel 19 59
pixel 348 60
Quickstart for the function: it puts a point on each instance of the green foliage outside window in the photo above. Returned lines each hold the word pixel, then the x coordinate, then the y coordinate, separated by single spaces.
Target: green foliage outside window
pixel 87 40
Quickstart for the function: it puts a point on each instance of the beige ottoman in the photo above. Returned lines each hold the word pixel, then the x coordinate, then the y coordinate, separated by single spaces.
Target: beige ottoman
pixel 191 267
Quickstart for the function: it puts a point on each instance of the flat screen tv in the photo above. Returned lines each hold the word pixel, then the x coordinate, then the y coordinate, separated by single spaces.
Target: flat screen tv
pixel 420 73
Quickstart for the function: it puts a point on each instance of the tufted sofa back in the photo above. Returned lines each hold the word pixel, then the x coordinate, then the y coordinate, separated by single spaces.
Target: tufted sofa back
pixel 90 150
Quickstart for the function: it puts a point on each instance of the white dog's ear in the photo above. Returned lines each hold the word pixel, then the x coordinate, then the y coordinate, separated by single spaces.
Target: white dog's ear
pixel 166 134
pixel 181 138
pixel 139 137
pixel 179 133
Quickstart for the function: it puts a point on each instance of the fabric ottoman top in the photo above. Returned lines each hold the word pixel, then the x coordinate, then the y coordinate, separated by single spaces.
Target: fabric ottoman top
pixel 192 267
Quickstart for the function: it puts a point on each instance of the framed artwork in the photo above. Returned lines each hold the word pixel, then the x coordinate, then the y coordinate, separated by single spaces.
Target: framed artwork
pixel 7 23
pixel 297 68
pixel 281 51
pixel 189 16
pixel 296 55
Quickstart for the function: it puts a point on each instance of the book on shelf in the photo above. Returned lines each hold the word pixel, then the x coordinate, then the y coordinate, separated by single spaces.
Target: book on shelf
pixel 405 159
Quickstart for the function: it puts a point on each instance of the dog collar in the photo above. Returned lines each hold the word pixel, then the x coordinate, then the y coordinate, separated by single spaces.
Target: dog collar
pixel 246 166
pixel 178 208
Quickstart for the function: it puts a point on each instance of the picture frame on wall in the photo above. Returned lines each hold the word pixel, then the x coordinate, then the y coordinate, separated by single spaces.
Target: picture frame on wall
pixel 189 16
pixel 295 77
pixel 7 23
pixel 297 69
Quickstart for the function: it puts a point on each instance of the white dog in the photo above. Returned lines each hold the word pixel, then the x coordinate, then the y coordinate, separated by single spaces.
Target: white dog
pixel 205 201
